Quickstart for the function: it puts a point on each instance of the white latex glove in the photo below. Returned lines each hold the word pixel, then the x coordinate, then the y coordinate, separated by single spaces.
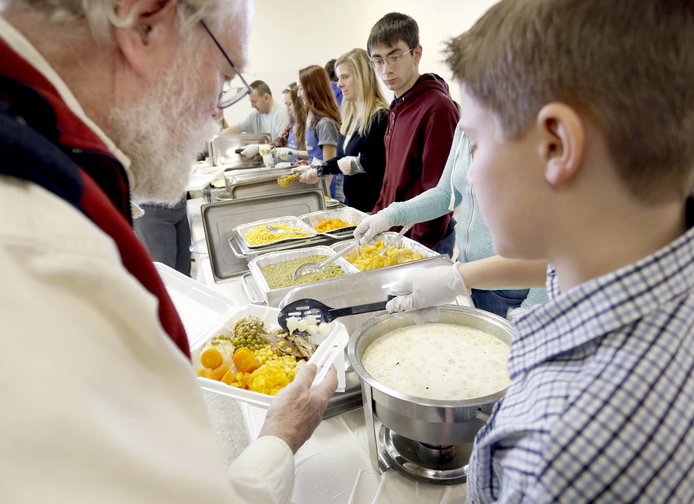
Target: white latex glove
pixel 250 150
pixel 309 176
pixel 350 165
pixel 426 287
pixel 370 227
pixel 269 161
pixel 283 153
pixel 280 166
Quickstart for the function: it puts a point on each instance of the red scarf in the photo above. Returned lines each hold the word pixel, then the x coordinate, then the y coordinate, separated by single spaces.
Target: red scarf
pixel 102 187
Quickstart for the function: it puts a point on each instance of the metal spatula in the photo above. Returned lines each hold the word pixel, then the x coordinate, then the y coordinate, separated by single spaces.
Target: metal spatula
pixel 322 312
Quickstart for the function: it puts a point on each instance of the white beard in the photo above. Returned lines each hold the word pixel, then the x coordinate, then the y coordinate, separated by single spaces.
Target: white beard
pixel 163 133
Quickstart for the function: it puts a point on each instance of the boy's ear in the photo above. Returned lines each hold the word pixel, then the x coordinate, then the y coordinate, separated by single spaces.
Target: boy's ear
pixel 152 23
pixel 562 143
pixel 417 53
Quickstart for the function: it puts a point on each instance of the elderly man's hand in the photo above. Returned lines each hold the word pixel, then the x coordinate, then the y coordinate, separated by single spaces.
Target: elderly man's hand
pixel 297 410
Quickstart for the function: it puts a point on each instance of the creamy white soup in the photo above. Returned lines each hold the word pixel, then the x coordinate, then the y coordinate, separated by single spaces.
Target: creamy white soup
pixel 439 361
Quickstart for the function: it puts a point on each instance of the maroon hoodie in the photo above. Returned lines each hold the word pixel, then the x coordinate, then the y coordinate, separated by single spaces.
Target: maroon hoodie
pixel 420 132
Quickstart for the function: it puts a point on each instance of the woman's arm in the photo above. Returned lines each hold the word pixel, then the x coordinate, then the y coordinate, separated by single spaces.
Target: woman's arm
pixel 434 202
pixel 498 272
pixel 329 151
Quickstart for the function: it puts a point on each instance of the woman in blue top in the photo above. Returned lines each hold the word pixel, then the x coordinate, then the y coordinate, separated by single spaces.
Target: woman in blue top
pixel 474 245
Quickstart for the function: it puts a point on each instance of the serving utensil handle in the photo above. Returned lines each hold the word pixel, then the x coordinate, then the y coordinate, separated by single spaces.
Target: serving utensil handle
pixel 355 310
pixel 337 255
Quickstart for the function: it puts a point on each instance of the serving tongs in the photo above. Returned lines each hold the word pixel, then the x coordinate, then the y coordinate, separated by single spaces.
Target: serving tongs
pixel 392 242
pixel 322 312
pixel 313 267
pixel 285 180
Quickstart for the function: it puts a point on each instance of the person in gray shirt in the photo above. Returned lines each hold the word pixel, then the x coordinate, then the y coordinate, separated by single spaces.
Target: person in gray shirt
pixel 267 116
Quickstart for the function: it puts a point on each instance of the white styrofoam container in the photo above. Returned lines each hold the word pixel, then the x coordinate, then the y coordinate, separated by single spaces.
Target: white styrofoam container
pixel 206 314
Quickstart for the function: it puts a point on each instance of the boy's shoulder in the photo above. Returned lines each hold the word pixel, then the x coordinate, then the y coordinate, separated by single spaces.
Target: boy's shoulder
pixel 428 95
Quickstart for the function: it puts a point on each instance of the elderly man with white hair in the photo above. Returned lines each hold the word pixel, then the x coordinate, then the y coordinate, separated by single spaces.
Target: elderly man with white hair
pixel 103 102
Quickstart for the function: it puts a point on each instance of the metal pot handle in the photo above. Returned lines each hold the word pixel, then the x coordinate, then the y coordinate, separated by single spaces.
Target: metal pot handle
pixel 482 415
pixel 249 290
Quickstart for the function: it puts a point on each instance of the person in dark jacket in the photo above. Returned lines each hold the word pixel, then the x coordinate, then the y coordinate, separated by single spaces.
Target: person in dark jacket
pixel 361 154
pixel 421 124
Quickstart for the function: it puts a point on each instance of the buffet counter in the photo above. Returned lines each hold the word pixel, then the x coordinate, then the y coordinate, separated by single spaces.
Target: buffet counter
pixel 334 466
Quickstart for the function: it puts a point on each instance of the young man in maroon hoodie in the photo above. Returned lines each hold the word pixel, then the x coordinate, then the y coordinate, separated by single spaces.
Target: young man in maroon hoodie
pixel 421 124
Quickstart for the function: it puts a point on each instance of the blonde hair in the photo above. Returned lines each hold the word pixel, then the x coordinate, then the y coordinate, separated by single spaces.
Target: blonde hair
pixel 627 64
pixel 357 115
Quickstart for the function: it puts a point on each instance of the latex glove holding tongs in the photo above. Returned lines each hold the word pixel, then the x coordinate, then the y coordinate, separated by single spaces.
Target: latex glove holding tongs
pixel 310 173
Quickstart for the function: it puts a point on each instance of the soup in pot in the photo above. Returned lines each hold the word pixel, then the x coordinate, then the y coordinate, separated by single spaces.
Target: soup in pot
pixel 439 361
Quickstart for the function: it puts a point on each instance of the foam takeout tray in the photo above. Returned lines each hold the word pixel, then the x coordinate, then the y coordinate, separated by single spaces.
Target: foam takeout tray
pixel 206 314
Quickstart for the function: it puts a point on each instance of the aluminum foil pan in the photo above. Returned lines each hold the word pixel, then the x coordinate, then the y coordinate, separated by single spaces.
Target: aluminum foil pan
pixel 347 214
pixel 292 221
pixel 403 242
pixel 259 262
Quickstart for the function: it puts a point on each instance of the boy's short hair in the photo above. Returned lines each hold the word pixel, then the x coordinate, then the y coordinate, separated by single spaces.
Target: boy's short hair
pixel 391 29
pixel 627 64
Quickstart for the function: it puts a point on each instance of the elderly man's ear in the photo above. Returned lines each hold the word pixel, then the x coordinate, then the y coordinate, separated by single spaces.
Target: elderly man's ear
pixel 149 42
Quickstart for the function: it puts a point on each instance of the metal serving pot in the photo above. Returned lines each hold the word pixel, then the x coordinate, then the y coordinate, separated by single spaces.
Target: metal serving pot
pixel 436 422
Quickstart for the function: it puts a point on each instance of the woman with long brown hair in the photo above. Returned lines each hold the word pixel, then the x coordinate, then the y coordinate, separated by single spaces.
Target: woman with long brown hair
pixel 323 120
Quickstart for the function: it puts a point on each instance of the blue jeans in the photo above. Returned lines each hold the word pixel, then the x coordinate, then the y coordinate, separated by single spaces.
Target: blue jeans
pixel 337 188
pixel 499 301
pixel 447 245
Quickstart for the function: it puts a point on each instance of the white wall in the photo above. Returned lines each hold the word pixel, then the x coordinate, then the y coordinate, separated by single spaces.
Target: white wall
pixel 289 35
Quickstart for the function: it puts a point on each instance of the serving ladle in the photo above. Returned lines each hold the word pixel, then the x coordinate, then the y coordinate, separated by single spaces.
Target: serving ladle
pixel 322 312
pixel 313 267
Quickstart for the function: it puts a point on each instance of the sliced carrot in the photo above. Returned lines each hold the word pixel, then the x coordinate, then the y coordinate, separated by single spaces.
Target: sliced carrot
pixel 208 373
pixel 245 361
pixel 220 371
pixel 229 377
pixel 211 358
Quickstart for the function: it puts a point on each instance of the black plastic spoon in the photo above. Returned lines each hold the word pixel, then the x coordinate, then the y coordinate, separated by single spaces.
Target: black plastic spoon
pixel 322 312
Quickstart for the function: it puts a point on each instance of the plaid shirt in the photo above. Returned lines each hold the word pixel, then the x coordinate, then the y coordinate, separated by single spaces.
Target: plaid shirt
pixel 601 402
